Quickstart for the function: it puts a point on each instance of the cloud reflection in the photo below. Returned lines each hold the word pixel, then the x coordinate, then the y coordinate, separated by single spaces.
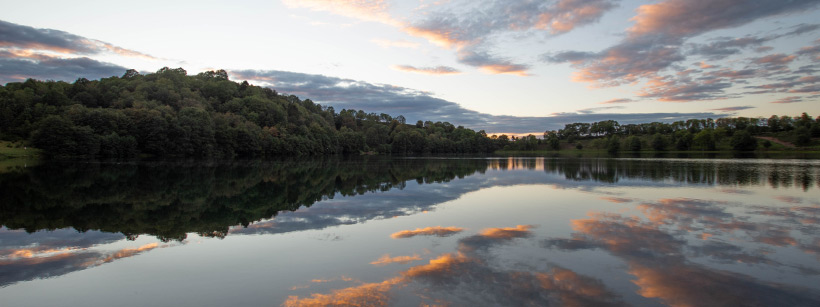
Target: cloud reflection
pixel 468 277
pixel 386 259
pixel 427 231
pixel 657 253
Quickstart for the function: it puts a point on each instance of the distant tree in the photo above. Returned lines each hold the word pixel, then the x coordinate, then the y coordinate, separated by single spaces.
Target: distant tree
pixel 552 140
pixel 658 142
pixel 743 141
pixel 705 139
pixel 802 136
pixel 634 143
pixel 613 145
pixel 684 141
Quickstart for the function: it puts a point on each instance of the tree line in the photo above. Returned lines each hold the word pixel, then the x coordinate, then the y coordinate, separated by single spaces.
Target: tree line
pixel 172 114
pixel 735 133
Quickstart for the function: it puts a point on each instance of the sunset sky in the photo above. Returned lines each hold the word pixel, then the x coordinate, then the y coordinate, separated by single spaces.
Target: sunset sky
pixel 501 65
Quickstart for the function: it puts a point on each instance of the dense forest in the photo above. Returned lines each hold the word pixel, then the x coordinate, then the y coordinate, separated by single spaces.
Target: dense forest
pixel 172 114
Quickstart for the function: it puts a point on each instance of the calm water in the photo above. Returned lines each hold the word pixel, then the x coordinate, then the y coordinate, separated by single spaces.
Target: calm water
pixel 408 232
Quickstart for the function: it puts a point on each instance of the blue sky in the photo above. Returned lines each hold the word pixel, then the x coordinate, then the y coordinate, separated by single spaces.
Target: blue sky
pixel 503 66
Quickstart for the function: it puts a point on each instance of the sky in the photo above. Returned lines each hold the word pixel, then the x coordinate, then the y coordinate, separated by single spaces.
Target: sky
pixel 504 66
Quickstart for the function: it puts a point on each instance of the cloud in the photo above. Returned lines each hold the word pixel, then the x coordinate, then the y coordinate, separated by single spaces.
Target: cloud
pixel 419 105
pixel 465 278
pixel 680 89
pixel 386 259
pixel 25 37
pixel 618 200
pixel 438 70
pixel 471 27
pixel 790 99
pixel 427 231
pixel 733 109
pixel 53 257
pixel 808 84
pixel 811 51
pixel 655 254
pixel 16 69
pixel 491 64
pixel 653 46
pixel 621 100
pixel 777 61
pixel 367 10
pixel 723 47
pixel 595 110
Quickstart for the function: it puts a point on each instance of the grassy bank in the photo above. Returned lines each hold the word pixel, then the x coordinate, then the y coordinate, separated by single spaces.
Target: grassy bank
pixel 17 155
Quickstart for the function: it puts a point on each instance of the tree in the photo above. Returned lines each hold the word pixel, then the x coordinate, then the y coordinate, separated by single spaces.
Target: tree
pixel 658 142
pixel 613 145
pixel 743 141
pixel 802 136
pixel 684 141
pixel 59 137
pixel 705 139
pixel 634 143
pixel 552 140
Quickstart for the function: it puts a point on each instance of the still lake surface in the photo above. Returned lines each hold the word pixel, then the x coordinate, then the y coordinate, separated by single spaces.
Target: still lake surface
pixel 413 231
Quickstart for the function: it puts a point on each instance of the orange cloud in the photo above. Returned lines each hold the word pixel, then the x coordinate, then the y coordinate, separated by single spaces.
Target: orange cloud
pixel 369 294
pixel 443 38
pixel 125 52
pixel 440 266
pixel 519 231
pixel 428 231
pixel 509 69
pixel 128 252
pixel 37 46
pixel 386 259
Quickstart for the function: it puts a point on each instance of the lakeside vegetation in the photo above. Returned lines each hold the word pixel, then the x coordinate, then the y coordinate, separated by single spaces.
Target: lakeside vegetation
pixel 172 114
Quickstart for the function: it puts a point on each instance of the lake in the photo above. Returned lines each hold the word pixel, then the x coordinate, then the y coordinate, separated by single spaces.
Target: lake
pixel 413 231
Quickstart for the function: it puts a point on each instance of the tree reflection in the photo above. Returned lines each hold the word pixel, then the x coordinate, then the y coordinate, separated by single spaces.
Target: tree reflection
pixel 169 200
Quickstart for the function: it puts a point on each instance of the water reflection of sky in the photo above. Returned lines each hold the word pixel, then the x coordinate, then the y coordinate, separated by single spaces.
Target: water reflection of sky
pixel 523 232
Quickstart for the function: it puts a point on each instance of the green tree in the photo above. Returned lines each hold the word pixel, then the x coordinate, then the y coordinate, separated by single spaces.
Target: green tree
pixel 658 142
pixel 613 145
pixel 743 141
pixel 802 136
pixel 634 143
pixel 705 139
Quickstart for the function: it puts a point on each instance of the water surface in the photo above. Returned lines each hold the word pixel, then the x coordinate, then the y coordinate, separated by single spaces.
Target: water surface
pixel 407 232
